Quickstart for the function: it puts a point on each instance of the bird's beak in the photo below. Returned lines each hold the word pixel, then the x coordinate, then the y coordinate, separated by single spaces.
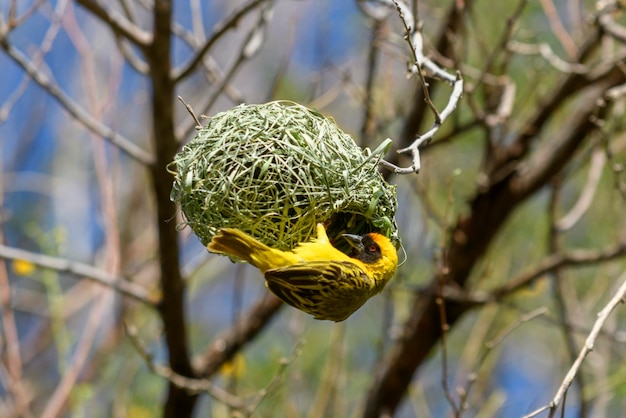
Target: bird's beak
pixel 355 242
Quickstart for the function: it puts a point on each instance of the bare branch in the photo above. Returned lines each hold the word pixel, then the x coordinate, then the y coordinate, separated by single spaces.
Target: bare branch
pixel 598 161
pixel 118 23
pixel 587 348
pixel 212 71
pixel 413 149
pixel 91 123
pixel 195 385
pixel 120 284
pixel 546 162
pixel 557 27
pixel 420 62
pixel 241 333
pixel 546 52
pixel 605 19
pixel 48 40
pixel 253 41
pixel 221 28
pixel 192 385
pixel 555 261
pixel 191 112
pixel 133 59
pixel 489 347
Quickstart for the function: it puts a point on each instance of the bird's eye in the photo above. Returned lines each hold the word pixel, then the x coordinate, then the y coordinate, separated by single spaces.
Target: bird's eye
pixel 373 249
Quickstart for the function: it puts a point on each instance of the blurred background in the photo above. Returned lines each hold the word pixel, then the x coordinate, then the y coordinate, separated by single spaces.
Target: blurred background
pixel 513 232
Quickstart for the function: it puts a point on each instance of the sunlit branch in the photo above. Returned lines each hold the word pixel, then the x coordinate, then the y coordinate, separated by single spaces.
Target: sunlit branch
pixel 549 55
pixel 414 148
pixel 419 64
pixel 605 19
pixel 120 284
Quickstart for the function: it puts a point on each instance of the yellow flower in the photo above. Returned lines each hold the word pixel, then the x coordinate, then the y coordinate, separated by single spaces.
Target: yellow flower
pixel 23 267
pixel 235 367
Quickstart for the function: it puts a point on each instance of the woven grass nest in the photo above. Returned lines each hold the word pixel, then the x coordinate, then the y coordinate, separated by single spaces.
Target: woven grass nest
pixel 274 171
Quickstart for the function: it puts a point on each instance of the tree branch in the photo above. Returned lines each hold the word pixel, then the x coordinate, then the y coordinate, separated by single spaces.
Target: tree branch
pixel 234 339
pixel 572 258
pixel 118 23
pixel 587 348
pixel 73 108
pixel 218 31
pixel 120 284
pixel 183 382
pixel 471 237
pixel 419 63
pixel 179 403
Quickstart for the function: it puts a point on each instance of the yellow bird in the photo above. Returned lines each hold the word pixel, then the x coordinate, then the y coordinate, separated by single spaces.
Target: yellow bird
pixel 316 277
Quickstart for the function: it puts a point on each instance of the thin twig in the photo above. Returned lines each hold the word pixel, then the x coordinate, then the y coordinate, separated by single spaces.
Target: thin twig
pixel 562 293
pixel 420 62
pixel 558 29
pixel 195 385
pixel 230 341
pixel 587 348
pixel 118 23
pixel 211 69
pixel 120 284
pixel 190 384
pixel 571 258
pixel 251 45
pixel 80 356
pixel 74 109
pixel 598 161
pixel 56 20
pixel 489 346
pixel 11 353
pixel 554 261
pixel 549 55
pixel 440 301
pixel 191 112
pixel 278 377
pixel 221 28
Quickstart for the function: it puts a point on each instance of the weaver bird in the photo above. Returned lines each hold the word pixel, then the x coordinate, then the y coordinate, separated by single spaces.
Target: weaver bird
pixel 316 277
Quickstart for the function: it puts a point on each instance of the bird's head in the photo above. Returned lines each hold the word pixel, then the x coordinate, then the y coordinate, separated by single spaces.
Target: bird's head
pixel 376 252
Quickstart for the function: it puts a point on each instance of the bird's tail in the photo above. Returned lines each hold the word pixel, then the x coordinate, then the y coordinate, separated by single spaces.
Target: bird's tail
pixel 236 243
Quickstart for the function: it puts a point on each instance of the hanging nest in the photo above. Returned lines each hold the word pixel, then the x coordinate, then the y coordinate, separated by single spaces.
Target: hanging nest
pixel 277 169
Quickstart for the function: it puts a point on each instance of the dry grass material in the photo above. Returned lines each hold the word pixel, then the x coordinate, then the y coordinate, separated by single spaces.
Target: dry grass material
pixel 274 171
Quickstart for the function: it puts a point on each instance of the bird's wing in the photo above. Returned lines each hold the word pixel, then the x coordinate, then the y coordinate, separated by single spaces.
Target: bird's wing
pixel 326 289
